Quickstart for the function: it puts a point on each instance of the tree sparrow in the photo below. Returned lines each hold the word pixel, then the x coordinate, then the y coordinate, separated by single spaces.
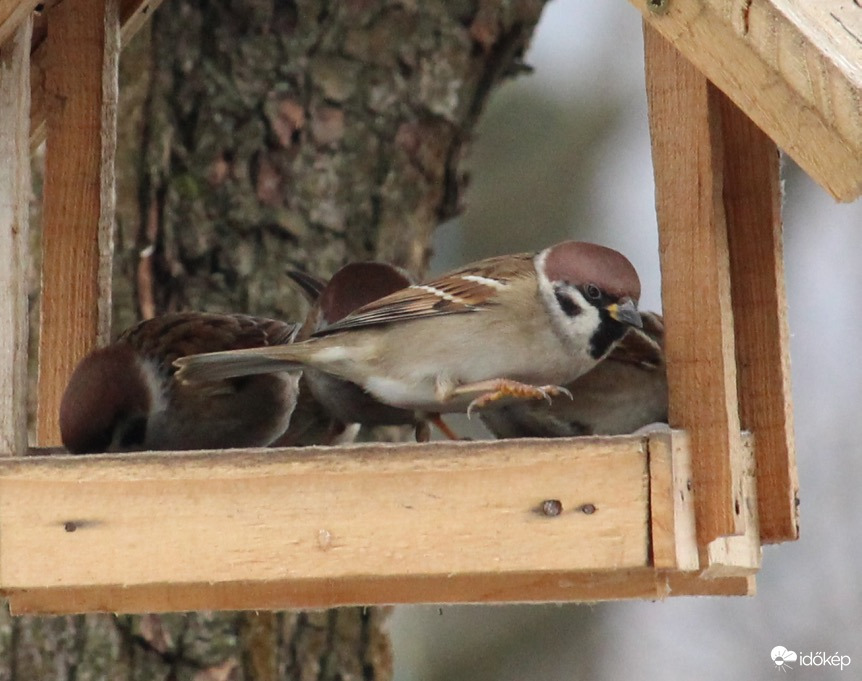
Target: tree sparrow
pixel 515 325
pixel 625 391
pixel 351 287
pixel 124 397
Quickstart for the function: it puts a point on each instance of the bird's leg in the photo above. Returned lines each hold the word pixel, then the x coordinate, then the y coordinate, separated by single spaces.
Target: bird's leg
pixel 423 431
pixel 443 427
pixel 498 388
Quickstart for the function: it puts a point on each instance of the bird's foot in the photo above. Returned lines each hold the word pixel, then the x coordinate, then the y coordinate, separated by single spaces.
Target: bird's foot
pixel 500 388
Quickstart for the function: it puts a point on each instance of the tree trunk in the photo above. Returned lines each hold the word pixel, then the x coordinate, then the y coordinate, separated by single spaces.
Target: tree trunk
pixel 256 136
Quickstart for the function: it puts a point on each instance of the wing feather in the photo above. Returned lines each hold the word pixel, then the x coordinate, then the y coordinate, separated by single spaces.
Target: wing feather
pixel 468 289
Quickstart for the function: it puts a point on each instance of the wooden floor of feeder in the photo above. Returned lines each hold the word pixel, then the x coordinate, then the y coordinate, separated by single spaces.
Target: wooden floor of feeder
pixel 523 520
pixel 665 514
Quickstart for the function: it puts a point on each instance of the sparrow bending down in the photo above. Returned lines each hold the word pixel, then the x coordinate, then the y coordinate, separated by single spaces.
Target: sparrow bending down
pixel 624 392
pixel 124 397
pixel 351 287
pixel 515 325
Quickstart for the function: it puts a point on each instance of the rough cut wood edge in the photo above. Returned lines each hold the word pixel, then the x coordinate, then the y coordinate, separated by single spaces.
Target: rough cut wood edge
pixel 480 500
pixel 752 202
pixel 83 50
pixel 699 342
pixel 793 66
pixel 13 14
pixel 133 14
pixel 14 237
pixel 739 555
pixel 674 537
pixel 643 583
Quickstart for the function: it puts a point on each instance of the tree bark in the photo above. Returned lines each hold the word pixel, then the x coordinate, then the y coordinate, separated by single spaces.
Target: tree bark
pixel 256 136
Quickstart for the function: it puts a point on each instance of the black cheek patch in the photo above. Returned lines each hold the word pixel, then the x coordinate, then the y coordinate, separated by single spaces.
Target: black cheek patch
pixel 608 333
pixel 569 306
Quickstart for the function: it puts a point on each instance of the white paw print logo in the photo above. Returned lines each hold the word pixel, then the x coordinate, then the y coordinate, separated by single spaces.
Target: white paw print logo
pixel 781 657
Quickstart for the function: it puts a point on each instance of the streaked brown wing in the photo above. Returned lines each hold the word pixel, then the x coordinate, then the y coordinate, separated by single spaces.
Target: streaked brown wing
pixel 464 290
pixel 176 335
pixel 642 347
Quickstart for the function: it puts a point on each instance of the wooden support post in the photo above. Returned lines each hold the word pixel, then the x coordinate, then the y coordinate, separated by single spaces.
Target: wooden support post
pixel 752 203
pixel 14 234
pixel 688 160
pixel 133 15
pixel 81 81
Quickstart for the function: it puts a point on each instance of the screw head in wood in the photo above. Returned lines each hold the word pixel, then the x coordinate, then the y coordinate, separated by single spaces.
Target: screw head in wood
pixel 657 6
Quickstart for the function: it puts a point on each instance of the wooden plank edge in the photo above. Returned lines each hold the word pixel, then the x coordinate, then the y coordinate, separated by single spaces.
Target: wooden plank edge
pixel 740 555
pixel 752 198
pixel 14 237
pixel 687 155
pixel 673 534
pixel 644 584
pixel 262 515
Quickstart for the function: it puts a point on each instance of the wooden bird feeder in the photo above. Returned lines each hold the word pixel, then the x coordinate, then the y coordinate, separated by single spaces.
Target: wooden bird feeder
pixel 586 519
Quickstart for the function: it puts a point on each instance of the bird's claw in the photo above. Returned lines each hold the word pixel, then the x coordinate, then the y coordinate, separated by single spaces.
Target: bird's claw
pixel 520 391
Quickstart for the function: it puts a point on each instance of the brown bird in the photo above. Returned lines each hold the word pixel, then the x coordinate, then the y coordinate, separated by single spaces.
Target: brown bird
pixel 124 397
pixel 516 325
pixel 351 287
pixel 627 390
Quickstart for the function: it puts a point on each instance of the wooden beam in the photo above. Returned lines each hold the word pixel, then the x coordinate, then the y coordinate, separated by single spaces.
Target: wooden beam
pixel 318 527
pixel 78 213
pixel 674 536
pixel 635 583
pixel 793 66
pixel 699 342
pixel 440 522
pixel 264 516
pixel 133 15
pixel 14 237
pixel 752 203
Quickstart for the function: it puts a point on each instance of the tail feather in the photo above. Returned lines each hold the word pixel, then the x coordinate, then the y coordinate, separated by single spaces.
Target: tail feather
pixel 218 366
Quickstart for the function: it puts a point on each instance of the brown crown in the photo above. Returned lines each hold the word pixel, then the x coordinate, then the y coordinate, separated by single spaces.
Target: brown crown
pixel 579 263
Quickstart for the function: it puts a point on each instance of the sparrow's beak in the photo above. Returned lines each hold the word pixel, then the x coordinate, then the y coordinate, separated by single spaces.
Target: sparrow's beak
pixel 625 312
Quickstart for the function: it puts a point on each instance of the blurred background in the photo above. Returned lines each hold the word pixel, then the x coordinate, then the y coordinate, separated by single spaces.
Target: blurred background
pixel 564 153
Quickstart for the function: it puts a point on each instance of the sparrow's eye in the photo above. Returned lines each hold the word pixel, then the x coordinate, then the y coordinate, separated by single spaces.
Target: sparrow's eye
pixel 593 292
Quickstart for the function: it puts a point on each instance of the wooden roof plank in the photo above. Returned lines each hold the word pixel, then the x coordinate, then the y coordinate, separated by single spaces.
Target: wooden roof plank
pixel 793 66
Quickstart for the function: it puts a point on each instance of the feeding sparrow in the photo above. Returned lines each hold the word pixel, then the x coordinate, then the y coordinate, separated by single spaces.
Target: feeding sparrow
pixel 124 397
pixel 352 286
pixel 515 325
pixel 625 391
